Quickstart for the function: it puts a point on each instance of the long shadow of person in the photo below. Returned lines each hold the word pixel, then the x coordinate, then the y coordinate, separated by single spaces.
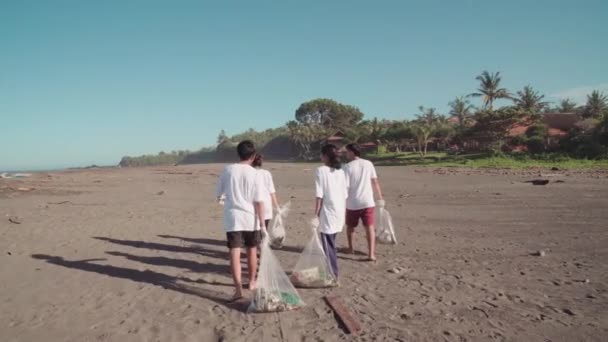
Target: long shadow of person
pixel 150 277
pixel 178 263
pixel 169 248
pixel 198 250
pixel 203 241
pixel 214 242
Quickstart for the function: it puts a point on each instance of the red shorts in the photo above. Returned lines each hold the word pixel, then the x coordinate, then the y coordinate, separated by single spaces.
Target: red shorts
pixel 366 215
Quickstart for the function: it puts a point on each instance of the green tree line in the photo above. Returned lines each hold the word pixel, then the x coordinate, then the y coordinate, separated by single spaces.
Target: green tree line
pixel 486 127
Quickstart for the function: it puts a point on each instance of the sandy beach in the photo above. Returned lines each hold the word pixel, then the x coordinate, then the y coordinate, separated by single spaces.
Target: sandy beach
pixel 139 255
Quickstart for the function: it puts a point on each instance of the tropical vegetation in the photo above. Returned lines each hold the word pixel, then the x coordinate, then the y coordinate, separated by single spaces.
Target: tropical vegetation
pixel 465 129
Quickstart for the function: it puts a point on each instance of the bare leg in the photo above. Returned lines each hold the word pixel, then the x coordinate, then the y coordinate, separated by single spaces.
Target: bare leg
pixel 252 263
pixel 371 242
pixel 235 268
pixel 350 231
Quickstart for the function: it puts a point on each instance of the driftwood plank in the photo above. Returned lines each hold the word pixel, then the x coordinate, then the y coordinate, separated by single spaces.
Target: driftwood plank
pixel 351 323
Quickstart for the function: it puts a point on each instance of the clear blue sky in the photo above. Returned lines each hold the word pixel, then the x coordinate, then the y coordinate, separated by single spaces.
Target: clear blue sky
pixel 85 82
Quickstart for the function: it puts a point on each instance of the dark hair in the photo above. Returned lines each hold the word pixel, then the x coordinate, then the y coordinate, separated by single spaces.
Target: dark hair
pixel 355 149
pixel 257 161
pixel 331 152
pixel 245 149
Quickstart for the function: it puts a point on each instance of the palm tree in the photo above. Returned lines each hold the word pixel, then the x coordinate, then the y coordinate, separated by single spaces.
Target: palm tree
pixel 597 104
pixel 377 130
pixel 428 124
pixel 566 106
pixel 530 101
pixel 222 137
pixel 422 133
pixel 461 108
pixel 427 115
pixel 489 89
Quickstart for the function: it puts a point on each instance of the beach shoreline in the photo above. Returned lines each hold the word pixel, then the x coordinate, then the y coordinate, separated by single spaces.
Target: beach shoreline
pixel 138 254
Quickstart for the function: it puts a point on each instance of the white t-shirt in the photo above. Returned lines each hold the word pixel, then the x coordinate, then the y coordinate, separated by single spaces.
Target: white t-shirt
pixel 242 186
pixel 268 190
pixel 332 187
pixel 360 173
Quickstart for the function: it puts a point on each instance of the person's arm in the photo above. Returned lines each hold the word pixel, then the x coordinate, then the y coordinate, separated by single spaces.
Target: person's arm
pixel 258 202
pixel 347 184
pixel 377 189
pixel 318 193
pixel 376 183
pixel 318 205
pixel 259 211
pixel 275 201
pixel 273 192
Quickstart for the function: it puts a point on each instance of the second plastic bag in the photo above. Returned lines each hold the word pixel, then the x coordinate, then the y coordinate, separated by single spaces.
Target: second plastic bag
pixel 312 269
pixel 385 232
pixel 274 290
pixel 277 227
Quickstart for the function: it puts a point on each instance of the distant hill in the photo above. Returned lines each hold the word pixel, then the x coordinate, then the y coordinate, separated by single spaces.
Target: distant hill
pixel 273 144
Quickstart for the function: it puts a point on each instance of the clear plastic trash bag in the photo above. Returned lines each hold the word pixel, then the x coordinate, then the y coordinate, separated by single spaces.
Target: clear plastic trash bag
pixel 274 290
pixel 277 226
pixel 312 269
pixel 385 232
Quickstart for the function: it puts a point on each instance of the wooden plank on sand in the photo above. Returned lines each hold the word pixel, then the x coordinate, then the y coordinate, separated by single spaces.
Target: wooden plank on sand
pixel 351 323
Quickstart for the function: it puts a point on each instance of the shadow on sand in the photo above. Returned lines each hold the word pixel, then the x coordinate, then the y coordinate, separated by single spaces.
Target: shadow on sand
pixel 214 242
pixel 178 284
pixel 203 241
pixel 224 255
pixel 190 265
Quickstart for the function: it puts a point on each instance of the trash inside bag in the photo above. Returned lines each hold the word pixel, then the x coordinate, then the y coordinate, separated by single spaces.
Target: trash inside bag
pixel 277 227
pixel 385 232
pixel 312 269
pixel 274 290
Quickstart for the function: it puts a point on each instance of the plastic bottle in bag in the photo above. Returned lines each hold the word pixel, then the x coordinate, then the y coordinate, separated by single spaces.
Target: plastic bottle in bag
pixel 277 227
pixel 312 269
pixel 385 232
pixel 274 290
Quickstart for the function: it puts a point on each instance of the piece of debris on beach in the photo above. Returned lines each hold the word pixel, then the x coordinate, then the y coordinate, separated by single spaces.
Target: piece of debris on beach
pixel 351 324
pixel 538 181
pixel 14 219
pixel 569 312
pixel 540 253
pixel 395 270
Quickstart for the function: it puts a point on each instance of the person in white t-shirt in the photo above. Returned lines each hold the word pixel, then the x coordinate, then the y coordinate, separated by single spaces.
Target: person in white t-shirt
pixel 363 180
pixel 270 194
pixel 241 188
pixel 331 189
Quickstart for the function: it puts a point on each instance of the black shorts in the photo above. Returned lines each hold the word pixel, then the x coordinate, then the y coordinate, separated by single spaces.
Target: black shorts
pixel 242 239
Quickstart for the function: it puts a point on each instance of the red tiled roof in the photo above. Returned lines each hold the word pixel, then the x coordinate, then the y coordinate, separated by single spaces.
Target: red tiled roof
pixel 555 132
pixel 454 120
pixel 518 129
pixel 558 124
